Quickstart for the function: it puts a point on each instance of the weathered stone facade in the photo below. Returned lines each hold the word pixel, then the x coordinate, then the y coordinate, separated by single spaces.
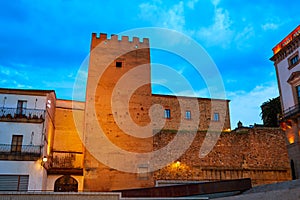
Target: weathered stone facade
pixel 110 60
pixel 256 153
pixel 68 126
pixel 201 112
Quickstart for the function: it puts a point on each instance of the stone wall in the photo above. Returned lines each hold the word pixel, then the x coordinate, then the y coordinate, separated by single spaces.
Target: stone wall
pixel 68 126
pixel 256 153
pixel 202 111
pixel 118 98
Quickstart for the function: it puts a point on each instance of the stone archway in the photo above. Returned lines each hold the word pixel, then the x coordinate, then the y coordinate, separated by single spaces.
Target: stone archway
pixel 66 183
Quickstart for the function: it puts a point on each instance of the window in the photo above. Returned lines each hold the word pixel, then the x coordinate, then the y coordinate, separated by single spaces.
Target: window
pixel 118 64
pixel 143 172
pixel 187 114
pixel 21 106
pixel 216 117
pixel 293 60
pixel 298 93
pixel 167 113
pixel 16 143
pixel 14 182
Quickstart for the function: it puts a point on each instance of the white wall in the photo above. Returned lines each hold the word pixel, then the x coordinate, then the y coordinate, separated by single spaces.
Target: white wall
pixel 7 129
pixel 37 173
pixel 286 89
pixel 32 134
pixel 12 100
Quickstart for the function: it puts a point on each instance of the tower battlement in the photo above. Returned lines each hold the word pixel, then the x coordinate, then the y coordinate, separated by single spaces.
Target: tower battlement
pixel 98 38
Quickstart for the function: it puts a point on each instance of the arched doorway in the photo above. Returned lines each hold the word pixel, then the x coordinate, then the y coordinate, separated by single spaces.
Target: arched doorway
pixel 66 184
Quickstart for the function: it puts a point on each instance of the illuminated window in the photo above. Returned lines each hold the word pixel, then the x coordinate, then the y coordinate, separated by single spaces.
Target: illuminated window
pixel 187 114
pixel 216 117
pixel 167 113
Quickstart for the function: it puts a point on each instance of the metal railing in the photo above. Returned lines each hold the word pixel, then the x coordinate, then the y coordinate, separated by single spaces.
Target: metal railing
pixel 8 149
pixel 291 111
pixel 67 160
pixel 21 113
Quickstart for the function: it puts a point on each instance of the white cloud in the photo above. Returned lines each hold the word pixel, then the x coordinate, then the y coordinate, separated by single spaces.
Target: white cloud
pixel 148 11
pixel 245 105
pixel 196 93
pixel 13 72
pixel 219 33
pixel 242 39
pixel 4 71
pixel 70 75
pixel 23 86
pixel 215 2
pixel 175 19
pixel 172 18
pixel 191 4
pixel 269 26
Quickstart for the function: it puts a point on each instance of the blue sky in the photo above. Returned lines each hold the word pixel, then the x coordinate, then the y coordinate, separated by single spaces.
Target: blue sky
pixel 43 43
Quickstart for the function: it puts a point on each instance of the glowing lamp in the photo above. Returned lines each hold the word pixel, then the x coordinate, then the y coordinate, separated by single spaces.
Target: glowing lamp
pixel 291 140
pixel 45 159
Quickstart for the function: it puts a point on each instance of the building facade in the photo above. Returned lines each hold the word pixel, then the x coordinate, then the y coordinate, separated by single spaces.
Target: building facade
pixel 110 60
pixel 286 61
pixel 105 143
pixel 111 101
pixel 65 161
pixel 26 131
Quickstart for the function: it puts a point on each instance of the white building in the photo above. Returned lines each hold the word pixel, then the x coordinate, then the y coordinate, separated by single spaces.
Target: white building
pixel 287 64
pixel 26 131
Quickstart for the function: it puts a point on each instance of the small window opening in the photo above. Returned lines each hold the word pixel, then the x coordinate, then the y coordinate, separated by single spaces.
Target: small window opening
pixel 216 117
pixel 118 64
pixel 188 114
pixel 167 113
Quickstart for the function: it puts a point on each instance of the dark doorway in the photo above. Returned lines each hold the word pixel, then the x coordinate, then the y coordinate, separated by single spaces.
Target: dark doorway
pixel 293 170
pixel 66 184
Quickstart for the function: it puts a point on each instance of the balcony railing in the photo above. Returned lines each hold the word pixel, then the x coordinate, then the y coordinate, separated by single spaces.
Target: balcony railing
pixel 291 111
pixel 19 152
pixel 66 162
pixel 22 115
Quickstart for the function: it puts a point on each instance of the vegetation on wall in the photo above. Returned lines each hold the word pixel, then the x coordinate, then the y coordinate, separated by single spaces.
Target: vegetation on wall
pixel 270 110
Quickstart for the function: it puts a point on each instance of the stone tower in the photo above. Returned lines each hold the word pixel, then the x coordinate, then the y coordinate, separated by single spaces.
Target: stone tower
pixel 118 99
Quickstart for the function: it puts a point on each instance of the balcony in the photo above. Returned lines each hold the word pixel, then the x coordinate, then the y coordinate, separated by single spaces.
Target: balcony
pixel 22 115
pixel 20 152
pixel 291 112
pixel 66 163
